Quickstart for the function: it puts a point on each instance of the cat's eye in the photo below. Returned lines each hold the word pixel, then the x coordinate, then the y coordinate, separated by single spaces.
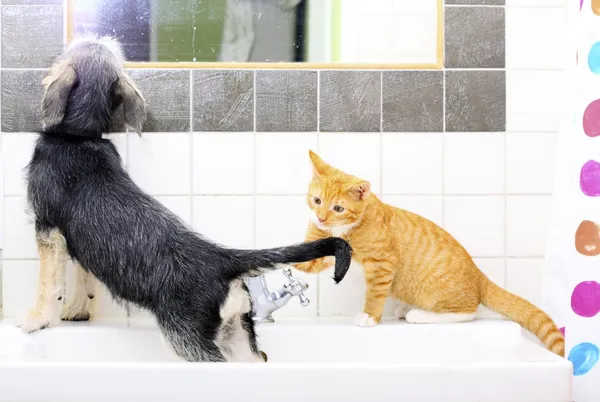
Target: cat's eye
pixel 317 200
pixel 338 208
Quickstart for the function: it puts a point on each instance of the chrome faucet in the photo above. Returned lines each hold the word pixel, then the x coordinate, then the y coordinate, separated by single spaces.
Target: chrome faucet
pixel 265 302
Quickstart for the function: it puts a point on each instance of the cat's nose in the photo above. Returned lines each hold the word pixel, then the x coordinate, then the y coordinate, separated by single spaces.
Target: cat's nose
pixel 322 219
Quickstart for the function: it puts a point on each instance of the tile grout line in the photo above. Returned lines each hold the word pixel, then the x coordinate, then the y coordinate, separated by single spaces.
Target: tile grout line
pixel 191 92
pixel 381 132
pixel 505 215
pixel 3 212
pixel 505 153
pixel 12 196
pixel 444 143
pixel 317 296
pixel 254 163
pixel 481 257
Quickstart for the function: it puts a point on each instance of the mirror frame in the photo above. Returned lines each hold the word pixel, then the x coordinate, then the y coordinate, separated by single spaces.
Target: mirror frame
pixel 438 65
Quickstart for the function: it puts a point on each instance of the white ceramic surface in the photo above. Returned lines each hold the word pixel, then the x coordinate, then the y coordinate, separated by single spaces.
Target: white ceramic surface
pixel 309 360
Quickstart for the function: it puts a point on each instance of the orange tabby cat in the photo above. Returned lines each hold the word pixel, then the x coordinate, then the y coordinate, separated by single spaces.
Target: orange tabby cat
pixel 410 258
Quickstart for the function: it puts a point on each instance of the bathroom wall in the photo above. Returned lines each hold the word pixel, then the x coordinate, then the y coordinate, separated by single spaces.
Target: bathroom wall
pixel 470 147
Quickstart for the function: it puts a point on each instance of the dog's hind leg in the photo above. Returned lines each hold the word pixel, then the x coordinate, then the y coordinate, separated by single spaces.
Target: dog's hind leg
pixel 188 342
pixel 241 344
pixel 51 282
pixel 80 305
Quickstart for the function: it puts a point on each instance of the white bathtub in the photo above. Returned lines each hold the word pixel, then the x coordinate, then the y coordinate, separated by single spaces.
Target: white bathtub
pixel 315 360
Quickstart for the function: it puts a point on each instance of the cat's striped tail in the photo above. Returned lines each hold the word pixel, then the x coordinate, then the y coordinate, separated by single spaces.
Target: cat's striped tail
pixel 524 313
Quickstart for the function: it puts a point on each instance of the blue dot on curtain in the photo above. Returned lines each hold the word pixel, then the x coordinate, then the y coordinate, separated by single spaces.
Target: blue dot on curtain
pixel 594 58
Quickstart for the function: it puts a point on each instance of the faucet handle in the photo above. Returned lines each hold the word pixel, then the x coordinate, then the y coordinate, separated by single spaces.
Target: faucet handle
pixel 288 274
pixel 296 287
pixel 304 301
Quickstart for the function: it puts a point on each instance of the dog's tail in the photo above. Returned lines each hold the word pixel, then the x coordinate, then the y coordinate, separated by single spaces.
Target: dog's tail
pixel 266 259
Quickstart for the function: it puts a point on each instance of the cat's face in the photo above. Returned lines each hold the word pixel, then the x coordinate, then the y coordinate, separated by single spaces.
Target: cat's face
pixel 336 199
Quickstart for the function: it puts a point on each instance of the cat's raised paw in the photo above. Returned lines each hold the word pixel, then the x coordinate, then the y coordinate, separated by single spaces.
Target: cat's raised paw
pixel 364 320
pixel 32 321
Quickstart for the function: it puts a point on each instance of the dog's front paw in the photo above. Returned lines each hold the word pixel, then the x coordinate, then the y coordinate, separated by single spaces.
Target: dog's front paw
pixel 74 312
pixel 32 321
pixel 75 316
pixel 364 320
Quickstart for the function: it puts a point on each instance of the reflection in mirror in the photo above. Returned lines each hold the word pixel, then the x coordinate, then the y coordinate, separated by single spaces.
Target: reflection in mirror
pixel 316 31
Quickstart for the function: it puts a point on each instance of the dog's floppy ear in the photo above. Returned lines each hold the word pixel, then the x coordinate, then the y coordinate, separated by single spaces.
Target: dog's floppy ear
pixel 58 86
pixel 134 105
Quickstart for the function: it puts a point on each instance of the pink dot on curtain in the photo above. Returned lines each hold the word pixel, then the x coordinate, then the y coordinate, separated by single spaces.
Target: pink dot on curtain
pixel 591 119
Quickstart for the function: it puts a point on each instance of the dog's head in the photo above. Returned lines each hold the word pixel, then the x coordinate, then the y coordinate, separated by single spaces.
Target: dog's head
pixel 86 86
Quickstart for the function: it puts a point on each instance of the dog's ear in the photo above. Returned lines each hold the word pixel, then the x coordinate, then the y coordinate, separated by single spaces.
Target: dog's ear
pixel 58 85
pixel 134 105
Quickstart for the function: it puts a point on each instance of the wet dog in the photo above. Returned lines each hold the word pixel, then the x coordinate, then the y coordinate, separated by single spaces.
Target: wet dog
pixel 87 209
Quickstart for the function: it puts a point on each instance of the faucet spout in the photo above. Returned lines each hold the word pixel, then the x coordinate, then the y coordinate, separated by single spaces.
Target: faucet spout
pixel 264 303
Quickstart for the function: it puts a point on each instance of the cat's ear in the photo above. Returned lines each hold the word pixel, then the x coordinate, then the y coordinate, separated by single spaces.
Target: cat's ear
pixel 360 190
pixel 319 165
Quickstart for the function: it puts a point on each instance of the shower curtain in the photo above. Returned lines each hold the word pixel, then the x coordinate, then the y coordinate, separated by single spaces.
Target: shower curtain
pixel 572 275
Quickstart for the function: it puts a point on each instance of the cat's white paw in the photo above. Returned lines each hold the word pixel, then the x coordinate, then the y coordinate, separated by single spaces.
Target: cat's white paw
pixel 418 316
pixel 364 320
pixel 33 321
pixel 401 311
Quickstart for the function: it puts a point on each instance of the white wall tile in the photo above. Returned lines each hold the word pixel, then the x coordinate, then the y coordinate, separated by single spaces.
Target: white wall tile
pixel 223 163
pixel 347 298
pixel 282 162
pixel 179 205
pixel 412 163
pixel 355 154
pixel 228 220
pixel 474 163
pixel 280 220
pixel 534 100
pixel 530 161
pixel 477 223
pixel 524 278
pixel 19 232
pixel 17 149
pixel 495 270
pixel 161 163
pixel 527 221
pixel 19 286
pixel 428 206
pixel 535 37
pixel 120 141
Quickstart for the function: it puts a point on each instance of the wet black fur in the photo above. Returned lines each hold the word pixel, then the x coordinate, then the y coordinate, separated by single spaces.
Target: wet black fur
pixel 140 250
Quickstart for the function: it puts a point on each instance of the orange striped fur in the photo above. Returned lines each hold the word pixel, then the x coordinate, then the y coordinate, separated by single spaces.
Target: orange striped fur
pixel 409 258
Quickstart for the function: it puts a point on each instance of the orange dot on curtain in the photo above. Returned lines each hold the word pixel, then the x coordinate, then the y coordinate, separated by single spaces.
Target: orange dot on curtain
pixel 595 6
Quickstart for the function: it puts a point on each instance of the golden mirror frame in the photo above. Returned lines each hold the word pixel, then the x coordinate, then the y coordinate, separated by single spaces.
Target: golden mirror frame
pixel 439 64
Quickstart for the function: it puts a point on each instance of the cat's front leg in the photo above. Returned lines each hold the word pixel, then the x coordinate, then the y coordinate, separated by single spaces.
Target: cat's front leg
pixel 379 277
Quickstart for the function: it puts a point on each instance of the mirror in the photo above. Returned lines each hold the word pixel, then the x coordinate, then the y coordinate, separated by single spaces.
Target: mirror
pixel 321 33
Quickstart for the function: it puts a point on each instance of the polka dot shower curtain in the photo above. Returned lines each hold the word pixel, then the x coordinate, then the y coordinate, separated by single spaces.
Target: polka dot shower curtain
pixel 572 275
